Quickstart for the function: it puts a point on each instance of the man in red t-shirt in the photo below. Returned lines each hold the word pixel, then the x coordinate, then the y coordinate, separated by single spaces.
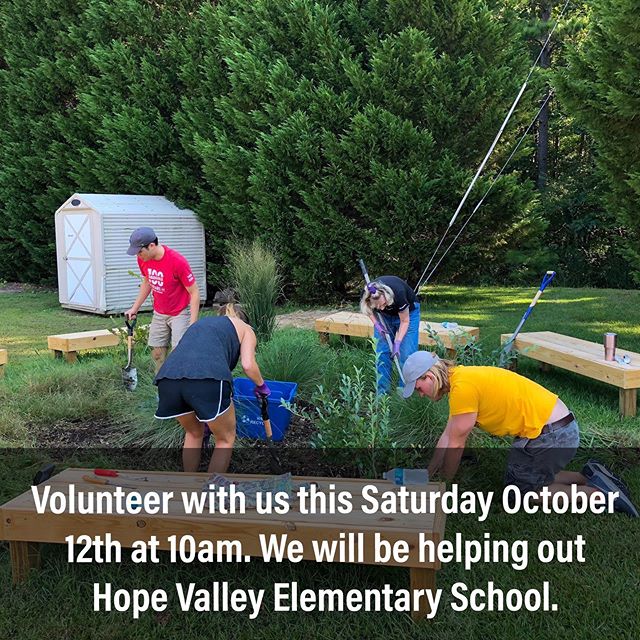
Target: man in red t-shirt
pixel 168 275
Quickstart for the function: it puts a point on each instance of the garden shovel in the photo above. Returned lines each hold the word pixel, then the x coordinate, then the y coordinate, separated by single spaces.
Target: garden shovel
pixel 274 462
pixel 129 373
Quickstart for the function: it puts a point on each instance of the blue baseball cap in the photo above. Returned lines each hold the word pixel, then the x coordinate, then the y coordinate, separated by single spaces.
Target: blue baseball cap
pixel 141 237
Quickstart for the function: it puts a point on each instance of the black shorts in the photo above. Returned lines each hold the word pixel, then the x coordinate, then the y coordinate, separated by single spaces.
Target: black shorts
pixel 208 398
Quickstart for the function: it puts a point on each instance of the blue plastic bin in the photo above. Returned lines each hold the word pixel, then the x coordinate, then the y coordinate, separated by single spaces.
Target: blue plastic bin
pixel 250 423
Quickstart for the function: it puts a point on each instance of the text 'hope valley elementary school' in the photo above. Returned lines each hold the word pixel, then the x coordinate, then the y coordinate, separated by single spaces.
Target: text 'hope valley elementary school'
pixel 291 597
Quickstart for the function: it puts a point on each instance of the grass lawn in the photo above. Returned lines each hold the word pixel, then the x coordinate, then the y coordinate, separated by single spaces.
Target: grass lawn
pixel 596 598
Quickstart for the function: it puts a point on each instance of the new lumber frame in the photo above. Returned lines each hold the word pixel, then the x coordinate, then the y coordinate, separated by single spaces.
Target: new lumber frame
pixel 67 345
pixel 25 529
pixel 351 324
pixel 585 358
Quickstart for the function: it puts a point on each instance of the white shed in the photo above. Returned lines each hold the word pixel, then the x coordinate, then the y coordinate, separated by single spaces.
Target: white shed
pixel 92 238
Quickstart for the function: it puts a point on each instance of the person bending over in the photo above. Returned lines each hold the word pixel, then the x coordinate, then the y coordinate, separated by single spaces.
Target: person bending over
pixel 195 384
pixel 503 403
pixel 393 307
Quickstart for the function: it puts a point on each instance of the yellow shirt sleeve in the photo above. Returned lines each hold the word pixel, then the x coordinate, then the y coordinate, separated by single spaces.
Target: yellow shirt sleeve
pixel 465 400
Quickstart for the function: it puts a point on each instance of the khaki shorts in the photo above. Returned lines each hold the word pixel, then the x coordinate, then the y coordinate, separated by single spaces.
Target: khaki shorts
pixel 165 329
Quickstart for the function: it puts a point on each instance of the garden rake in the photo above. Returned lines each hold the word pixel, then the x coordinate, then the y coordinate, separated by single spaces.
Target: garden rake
pixel 504 354
pixel 380 319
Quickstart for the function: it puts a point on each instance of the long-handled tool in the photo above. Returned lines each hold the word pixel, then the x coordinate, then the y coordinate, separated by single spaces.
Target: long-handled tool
pixel 129 373
pixel 548 277
pixel 380 319
pixel 274 462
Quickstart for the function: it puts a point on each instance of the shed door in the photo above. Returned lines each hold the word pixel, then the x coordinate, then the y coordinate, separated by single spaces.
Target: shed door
pixel 78 260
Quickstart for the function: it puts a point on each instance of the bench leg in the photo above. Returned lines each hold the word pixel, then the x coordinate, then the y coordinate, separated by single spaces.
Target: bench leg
pixel 324 338
pixel 24 557
pixel 1 370
pixel 71 357
pixel 628 402
pixel 422 579
pixel 545 366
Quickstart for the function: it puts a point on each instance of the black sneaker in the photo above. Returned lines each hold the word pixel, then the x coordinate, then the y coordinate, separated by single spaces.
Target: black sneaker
pixel 594 466
pixel 622 503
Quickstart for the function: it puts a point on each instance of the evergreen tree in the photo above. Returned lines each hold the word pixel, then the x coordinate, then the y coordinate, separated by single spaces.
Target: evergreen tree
pixel 89 90
pixel 34 92
pixel 353 128
pixel 600 86
pixel 127 88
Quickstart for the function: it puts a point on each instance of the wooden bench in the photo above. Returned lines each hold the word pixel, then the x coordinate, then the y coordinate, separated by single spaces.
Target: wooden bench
pixel 25 529
pixel 3 360
pixel 347 323
pixel 585 358
pixel 67 345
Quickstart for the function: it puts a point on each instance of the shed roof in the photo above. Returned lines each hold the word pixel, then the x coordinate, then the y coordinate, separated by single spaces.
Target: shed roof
pixel 111 203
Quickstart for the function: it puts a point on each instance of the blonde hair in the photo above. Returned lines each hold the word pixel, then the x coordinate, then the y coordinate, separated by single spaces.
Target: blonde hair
pixel 232 310
pixel 365 302
pixel 440 371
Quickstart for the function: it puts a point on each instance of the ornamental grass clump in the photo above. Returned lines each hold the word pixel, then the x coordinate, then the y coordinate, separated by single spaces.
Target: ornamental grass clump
pixel 254 275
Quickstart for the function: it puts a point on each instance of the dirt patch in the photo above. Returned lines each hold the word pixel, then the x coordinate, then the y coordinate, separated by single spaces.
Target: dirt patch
pixel 77 434
pixel 81 443
pixel 21 287
pixel 305 319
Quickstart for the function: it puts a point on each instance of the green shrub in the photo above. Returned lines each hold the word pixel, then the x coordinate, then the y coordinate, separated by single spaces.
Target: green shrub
pixel 254 275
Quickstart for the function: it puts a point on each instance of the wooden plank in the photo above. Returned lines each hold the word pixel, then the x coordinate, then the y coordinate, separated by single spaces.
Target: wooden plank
pixel 580 356
pixel 422 578
pixel 20 522
pixel 3 360
pixel 24 557
pixel 67 342
pixel 346 323
pixel 628 402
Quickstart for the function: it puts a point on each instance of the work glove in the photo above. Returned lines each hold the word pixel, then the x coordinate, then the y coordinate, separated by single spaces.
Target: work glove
pixel 261 391
pixel 395 352
pixel 380 328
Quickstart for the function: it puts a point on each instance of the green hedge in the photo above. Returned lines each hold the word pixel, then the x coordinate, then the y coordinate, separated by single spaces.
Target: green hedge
pixel 328 130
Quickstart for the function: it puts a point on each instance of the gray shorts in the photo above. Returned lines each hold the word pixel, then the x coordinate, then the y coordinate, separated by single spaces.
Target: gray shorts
pixel 167 330
pixel 533 463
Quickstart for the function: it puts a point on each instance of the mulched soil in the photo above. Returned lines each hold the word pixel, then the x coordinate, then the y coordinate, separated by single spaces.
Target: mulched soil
pixel 74 441
pixel 77 434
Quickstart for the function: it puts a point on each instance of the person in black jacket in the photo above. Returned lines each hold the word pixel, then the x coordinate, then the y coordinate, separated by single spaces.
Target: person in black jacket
pixel 393 307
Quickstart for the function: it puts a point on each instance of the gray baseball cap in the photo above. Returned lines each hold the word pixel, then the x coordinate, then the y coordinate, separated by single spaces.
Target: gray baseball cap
pixel 416 365
pixel 141 237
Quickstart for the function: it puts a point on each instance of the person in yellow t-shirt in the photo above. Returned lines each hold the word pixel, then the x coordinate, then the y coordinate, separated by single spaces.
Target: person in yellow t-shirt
pixel 504 403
